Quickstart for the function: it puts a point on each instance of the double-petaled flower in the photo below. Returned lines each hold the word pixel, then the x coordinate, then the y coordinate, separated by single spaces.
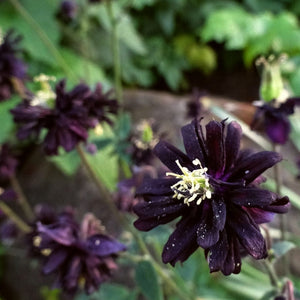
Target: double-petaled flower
pixel 214 189
pixel 68 122
pixel 82 257
pixel 11 67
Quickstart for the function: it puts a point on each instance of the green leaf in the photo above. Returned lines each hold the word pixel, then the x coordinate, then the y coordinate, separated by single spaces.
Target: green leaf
pixel 147 281
pixel 231 25
pixel 85 69
pixel 67 162
pixel 6 118
pixel 126 31
pixel 282 247
pixel 280 34
pixel 42 13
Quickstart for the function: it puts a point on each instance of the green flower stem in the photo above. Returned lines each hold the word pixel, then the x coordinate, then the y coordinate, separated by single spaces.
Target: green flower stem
pixel 21 197
pixel 43 36
pixel 115 51
pixel 272 274
pixel 14 217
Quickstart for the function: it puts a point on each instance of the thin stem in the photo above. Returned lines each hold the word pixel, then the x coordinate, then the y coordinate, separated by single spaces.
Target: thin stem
pixel 278 182
pixel 103 190
pixel 43 36
pixel 272 274
pixel 14 217
pixel 115 51
pixel 21 197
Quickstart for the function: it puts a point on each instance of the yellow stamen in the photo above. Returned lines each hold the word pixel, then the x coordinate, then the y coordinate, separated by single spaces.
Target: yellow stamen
pixel 194 185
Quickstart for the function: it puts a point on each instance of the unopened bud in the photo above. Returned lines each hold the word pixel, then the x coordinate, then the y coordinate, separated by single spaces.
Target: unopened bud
pixel 271 85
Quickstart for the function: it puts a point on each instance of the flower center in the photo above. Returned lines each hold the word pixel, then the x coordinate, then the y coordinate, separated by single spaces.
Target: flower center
pixel 193 185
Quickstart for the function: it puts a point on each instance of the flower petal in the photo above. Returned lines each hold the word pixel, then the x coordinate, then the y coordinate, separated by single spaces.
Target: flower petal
pixel 252 196
pixel 192 141
pixel 277 128
pixel 168 154
pixel 62 234
pixel 182 242
pixel 56 258
pixel 102 245
pixel 218 253
pixel 232 143
pixel 253 165
pixel 247 232
pixel 212 222
pixel 215 146
pixel 157 211
pixel 157 186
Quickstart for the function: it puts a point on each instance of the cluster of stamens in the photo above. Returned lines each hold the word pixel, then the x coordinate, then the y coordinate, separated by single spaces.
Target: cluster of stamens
pixel 193 185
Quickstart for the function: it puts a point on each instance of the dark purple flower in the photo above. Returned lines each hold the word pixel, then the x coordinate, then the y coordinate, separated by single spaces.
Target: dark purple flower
pixel 81 257
pixel 214 188
pixel 11 67
pixel 274 120
pixel 68 122
pixel 8 162
pixel 67 11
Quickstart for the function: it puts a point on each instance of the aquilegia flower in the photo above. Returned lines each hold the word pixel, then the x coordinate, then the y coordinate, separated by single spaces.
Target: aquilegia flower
pixel 273 118
pixel 68 122
pixel 11 67
pixel 214 188
pixel 81 256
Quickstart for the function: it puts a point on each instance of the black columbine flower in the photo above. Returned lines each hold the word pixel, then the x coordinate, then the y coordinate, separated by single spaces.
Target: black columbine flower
pixel 8 162
pixel 214 189
pixel 11 67
pixel 274 120
pixel 81 257
pixel 68 122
